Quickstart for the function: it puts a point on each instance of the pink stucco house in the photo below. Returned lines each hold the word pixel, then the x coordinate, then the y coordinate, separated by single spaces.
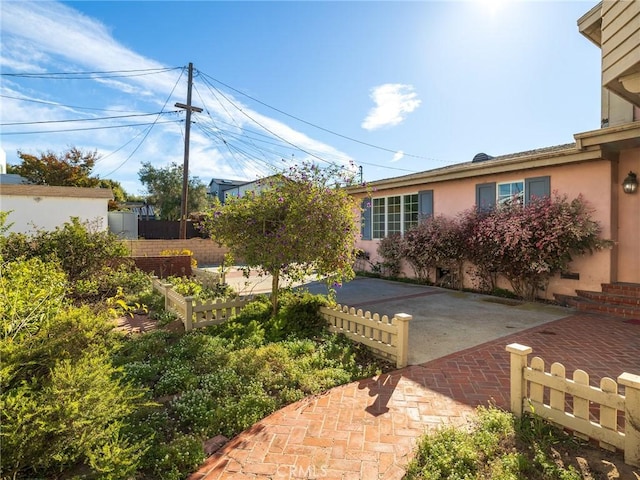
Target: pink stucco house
pixel 600 159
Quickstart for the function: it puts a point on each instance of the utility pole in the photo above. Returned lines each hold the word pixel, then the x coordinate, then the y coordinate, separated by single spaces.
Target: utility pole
pixel 185 166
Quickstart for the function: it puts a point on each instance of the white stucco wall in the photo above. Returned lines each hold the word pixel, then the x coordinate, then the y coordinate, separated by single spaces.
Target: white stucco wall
pixel 39 207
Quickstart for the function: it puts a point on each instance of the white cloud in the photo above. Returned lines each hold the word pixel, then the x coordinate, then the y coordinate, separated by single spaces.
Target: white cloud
pixel 397 156
pixel 393 102
pixel 53 37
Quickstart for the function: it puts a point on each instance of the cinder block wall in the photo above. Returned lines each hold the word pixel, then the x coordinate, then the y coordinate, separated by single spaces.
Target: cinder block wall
pixel 205 251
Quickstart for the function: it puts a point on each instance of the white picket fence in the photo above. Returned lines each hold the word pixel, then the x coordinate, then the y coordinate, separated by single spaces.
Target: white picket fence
pixel 594 412
pixel 386 338
pixel 195 313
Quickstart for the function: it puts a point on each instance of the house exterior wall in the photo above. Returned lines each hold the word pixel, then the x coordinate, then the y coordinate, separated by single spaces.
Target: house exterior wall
pixel 628 228
pixel 37 207
pixel 457 195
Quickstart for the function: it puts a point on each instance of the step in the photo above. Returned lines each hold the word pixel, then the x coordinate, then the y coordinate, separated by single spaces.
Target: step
pixel 566 300
pixel 622 288
pixel 624 311
pixel 614 298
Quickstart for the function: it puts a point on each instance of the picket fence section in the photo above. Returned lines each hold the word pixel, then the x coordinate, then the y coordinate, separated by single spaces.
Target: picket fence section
pixel 590 412
pixel 195 313
pixel 387 338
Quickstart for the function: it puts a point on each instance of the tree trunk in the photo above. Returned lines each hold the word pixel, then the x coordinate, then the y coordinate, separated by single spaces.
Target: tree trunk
pixel 274 291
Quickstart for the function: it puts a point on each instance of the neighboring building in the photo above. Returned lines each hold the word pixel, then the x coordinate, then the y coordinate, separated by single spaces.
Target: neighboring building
pixel 40 207
pixel 595 166
pixel 219 187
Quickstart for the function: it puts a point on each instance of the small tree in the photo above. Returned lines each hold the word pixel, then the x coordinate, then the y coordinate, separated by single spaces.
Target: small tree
pixel 164 186
pixel 295 224
pixel 68 169
pixel 434 242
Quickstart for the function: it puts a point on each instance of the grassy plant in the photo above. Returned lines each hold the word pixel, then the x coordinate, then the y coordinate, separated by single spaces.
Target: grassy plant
pixel 497 447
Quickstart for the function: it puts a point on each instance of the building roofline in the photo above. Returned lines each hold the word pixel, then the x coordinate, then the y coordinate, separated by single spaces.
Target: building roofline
pixel 559 154
pixel 47 191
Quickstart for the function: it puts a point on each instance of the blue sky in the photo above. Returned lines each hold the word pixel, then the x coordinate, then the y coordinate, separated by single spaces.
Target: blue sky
pixel 406 86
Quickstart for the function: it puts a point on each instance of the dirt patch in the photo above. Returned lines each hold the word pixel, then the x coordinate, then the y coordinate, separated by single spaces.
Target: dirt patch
pixel 141 323
pixel 595 463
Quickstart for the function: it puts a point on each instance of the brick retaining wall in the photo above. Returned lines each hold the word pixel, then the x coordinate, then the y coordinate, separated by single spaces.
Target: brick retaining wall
pixel 205 251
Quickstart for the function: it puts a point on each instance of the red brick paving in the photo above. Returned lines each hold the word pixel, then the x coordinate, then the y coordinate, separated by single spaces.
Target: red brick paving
pixel 368 429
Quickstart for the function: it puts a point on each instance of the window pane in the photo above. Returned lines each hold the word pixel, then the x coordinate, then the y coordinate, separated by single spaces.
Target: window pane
pixel 393 209
pixel 378 217
pixel 410 211
pixel 508 192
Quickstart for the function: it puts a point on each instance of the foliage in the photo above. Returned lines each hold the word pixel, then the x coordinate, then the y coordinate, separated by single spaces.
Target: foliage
pixel 71 168
pixel 175 252
pixel 223 379
pixel 498 447
pixel 293 225
pixel 164 188
pixel 434 242
pixel 190 287
pixel 390 249
pixel 82 250
pixel 63 405
pixel 531 243
pixel 31 293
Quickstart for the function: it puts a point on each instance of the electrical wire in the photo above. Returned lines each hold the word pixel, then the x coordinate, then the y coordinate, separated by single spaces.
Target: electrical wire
pixel 87 128
pixel 87 119
pixel 314 125
pixel 91 75
pixel 150 128
pixel 55 104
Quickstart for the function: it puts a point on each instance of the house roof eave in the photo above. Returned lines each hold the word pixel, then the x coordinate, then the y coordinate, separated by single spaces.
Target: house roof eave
pixel 517 162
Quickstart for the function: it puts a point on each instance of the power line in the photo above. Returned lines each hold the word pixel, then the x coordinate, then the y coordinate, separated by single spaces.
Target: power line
pixel 150 128
pixel 87 119
pixel 91 75
pixel 87 128
pixel 55 104
pixel 317 126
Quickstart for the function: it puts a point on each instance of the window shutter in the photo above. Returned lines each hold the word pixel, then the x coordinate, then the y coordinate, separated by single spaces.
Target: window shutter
pixel 425 204
pixel 537 187
pixel 486 196
pixel 365 223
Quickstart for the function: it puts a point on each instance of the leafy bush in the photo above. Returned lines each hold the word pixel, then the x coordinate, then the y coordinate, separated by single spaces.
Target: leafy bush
pixel 63 405
pixel 531 243
pixel 498 447
pixel 434 242
pixel 390 249
pixel 74 415
pixel 31 293
pixel 186 252
pixel 81 248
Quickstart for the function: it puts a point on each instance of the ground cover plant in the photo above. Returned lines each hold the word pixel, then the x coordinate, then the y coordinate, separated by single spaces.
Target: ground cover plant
pixel 220 380
pixel 79 399
pixel 499 446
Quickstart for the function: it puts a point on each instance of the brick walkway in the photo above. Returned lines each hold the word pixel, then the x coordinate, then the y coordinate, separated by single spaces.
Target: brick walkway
pixel 368 429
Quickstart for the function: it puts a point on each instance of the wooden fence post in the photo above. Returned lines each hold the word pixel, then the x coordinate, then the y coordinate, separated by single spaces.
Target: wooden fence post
pixel 188 314
pixel 167 302
pixel 403 338
pixel 518 363
pixel 631 418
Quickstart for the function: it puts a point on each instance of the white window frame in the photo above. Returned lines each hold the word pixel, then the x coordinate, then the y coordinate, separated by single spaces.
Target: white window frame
pixel 501 200
pixel 375 235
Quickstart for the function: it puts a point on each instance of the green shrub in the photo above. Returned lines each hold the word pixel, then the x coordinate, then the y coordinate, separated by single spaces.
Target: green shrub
pixel 175 459
pixel 31 293
pixel 72 416
pixel 81 248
